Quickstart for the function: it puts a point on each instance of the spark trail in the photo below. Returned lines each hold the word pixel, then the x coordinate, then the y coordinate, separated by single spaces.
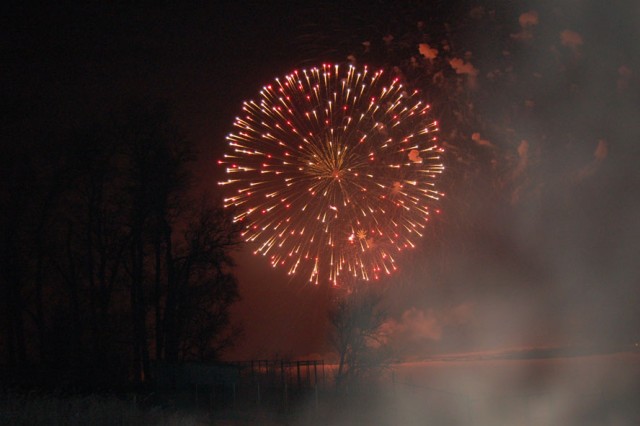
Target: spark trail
pixel 332 171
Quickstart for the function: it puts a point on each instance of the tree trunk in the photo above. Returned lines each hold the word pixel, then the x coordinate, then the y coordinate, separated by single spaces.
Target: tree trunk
pixel 138 310
pixel 158 297
pixel 10 270
pixel 170 311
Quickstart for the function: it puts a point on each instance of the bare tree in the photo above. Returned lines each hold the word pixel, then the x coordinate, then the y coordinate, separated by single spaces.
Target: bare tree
pixel 356 320
pixel 196 315
pixel 105 265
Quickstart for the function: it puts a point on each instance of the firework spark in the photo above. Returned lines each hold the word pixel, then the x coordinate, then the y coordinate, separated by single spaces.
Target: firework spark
pixel 332 172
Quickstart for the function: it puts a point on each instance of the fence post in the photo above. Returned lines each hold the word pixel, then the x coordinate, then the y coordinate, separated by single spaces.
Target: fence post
pixel 315 372
pixel 323 378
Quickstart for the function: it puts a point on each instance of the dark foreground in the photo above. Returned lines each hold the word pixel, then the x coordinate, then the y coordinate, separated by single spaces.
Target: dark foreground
pixel 595 390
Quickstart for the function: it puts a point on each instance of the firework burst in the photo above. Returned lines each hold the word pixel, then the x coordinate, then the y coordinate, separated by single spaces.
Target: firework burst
pixel 332 172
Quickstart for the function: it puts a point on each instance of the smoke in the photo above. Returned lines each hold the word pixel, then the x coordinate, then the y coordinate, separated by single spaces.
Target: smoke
pixel 427 51
pixel 417 328
pixel 625 75
pixel 481 142
pixel 527 21
pixel 599 156
pixel 465 68
pixel 524 309
pixel 571 39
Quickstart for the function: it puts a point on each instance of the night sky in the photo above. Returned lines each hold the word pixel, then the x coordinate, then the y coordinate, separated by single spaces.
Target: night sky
pixel 537 244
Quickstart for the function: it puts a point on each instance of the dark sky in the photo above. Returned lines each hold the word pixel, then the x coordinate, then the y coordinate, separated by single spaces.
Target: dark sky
pixel 550 260
pixel 65 66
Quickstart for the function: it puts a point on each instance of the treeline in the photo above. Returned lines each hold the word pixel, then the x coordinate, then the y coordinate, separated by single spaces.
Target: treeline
pixel 108 262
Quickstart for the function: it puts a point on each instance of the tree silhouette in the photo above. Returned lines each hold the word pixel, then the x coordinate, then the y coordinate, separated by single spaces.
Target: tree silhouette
pixel 105 266
pixel 204 288
pixel 356 319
